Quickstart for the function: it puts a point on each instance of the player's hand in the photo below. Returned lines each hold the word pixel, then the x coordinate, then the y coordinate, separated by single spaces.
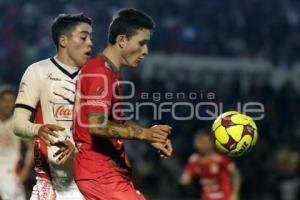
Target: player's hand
pixel 48 130
pixel 66 149
pixel 164 149
pixel 157 133
pixel 233 197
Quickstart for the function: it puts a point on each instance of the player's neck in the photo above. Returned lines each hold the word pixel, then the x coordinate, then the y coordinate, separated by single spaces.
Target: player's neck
pixel 205 156
pixel 113 56
pixel 66 60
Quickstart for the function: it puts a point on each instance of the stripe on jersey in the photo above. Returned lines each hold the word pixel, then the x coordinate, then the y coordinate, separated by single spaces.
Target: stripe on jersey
pixel 42 167
pixel 19 105
pixel 72 76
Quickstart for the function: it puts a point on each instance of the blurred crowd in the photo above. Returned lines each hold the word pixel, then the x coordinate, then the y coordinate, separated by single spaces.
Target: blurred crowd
pixel 254 29
pixel 266 29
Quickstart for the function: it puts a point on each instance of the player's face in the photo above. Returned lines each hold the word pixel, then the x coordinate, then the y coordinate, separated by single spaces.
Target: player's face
pixel 7 102
pixel 79 44
pixel 203 144
pixel 136 48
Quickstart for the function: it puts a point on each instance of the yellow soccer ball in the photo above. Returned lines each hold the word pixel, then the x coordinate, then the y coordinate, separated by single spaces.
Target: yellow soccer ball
pixel 234 134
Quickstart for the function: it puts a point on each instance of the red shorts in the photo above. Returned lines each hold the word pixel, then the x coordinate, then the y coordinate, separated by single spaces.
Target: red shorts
pixel 114 188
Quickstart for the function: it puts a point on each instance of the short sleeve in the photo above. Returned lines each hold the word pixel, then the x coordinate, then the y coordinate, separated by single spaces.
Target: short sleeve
pixel 95 91
pixel 227 164
pixel 29 89
pixel 191 166
pixel 190 169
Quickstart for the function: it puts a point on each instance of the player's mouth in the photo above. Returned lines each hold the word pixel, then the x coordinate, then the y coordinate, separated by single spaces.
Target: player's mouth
pixel 88 54
pixel 139 60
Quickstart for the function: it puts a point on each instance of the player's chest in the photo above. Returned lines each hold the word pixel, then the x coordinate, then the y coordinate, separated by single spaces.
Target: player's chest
pixel 208 170
pixel 57 87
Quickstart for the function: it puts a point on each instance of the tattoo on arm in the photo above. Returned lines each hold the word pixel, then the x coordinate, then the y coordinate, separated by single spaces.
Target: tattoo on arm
pixel 137 131
pixel 116 134
pixel 114 130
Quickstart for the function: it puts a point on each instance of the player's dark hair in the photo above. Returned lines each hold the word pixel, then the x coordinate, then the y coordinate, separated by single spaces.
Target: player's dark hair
pixel 127 21
pixel 64 24
pixel 202 132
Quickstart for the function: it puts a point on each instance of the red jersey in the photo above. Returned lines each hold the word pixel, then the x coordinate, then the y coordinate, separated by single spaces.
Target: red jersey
pixel 213 174
pixel 97 90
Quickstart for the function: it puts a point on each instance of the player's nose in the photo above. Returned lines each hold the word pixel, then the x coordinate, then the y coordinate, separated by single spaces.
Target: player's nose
pixel 145 50
pixel 90 42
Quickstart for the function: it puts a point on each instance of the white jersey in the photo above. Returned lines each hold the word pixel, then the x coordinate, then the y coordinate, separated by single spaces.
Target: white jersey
pixel 9 158
pixel 9 148
pixel 47 88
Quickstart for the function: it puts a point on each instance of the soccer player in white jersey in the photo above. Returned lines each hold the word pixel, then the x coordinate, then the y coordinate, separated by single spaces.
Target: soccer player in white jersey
pixel 47 90
pixel 12 176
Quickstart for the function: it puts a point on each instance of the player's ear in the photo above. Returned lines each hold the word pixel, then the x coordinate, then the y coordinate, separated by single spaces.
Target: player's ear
pixel 121 41
pixel 63 41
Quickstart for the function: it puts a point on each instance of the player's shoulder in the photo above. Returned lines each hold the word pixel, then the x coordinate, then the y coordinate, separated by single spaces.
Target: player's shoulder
pixel 193 158
pixel 96 64
pixel 39 66
pixel 220 158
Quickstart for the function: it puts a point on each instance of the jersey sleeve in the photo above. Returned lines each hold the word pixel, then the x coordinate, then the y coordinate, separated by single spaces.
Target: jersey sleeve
pixel 96 91
pixel 29 89
pixel 227 164
pixel 191 166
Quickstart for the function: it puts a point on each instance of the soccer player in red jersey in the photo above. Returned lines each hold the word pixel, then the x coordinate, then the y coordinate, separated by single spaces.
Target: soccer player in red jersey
pixel 101 166
pixel 218 176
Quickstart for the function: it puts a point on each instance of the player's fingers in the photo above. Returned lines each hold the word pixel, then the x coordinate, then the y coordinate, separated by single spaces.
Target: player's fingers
pixel 162 156
pixel 54 127
pixel 159 139
pixel 169 146
pixel 164 151
pixel 160 134
pixel 63 157
pixel 165 128
pixel 46 139
pixel 57 153
pixel 49 132
pixel 45 130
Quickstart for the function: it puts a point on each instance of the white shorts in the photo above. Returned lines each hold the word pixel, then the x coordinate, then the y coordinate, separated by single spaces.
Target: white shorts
pixel 44 189
pixel 10 188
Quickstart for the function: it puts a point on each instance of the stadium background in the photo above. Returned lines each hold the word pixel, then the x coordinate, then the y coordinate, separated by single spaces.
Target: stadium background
pixel 241 50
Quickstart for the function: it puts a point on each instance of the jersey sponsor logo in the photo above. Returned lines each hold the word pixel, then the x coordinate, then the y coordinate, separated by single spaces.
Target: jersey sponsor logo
pixel 63 112
pixel 214 168
pixel 99 91
pixel 22 86
pixel 98 102
pixel 50 77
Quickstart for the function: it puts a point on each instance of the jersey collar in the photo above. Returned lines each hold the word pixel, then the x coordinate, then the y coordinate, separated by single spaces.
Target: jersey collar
pixel 111 64
pixel 63 70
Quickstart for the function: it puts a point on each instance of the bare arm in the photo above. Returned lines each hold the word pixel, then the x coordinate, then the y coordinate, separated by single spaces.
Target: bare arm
pixel 185 179
pixel 100 127
pixel 165 149
pixel 236 182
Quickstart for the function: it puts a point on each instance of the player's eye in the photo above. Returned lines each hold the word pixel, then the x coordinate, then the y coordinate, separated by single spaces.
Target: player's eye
pixel 142 43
